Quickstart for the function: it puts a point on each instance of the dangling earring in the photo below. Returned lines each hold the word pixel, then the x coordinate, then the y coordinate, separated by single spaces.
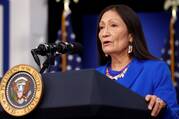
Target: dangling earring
pixel 106 55
pixel 130 48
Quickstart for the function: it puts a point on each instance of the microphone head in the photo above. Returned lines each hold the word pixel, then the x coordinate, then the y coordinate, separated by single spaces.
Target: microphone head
pixel 61 47
pixel 74 47
pixel 66 47
pixel 42 50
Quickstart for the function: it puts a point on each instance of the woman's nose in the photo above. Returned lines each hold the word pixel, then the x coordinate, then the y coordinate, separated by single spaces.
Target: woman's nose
pixel 105 32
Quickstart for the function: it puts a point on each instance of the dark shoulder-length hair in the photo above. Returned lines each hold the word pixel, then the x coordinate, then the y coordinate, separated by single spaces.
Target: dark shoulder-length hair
pixel 130 18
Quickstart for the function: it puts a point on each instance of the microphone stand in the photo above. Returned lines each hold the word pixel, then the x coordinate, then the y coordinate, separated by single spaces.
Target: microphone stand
pixel 49 61
pixel 45 65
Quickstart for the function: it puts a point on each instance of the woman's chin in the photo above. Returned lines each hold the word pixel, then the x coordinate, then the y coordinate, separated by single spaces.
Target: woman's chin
pixel 107 51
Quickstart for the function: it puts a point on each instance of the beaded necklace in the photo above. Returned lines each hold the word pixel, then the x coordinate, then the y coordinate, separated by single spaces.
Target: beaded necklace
pixel 120 74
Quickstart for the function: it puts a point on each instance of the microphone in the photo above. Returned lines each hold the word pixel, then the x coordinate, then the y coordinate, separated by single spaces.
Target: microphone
pixel 58 47
pixel 66 47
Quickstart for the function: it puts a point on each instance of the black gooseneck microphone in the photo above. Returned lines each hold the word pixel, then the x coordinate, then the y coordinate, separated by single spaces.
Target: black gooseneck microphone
pixel 58 47
pixel 52 50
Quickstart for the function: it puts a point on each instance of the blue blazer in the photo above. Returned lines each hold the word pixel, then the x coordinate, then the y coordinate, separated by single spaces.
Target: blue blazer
pixel 150 77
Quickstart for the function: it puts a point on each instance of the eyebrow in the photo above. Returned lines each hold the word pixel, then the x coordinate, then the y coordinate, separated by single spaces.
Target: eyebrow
pixel 111 20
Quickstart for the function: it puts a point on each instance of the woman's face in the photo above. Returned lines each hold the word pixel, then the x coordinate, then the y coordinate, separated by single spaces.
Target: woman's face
pixel 113 33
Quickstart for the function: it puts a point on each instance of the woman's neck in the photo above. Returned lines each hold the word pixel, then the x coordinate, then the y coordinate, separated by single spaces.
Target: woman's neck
pixel 118 63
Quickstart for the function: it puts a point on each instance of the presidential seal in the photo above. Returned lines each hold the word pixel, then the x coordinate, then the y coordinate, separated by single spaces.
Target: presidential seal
pixel 20 90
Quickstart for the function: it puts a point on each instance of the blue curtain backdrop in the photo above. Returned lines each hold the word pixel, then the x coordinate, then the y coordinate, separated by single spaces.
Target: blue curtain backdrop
pixel 90 55
pixel 5 27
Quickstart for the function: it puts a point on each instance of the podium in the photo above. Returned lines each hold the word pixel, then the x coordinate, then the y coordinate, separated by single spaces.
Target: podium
pixel 85 94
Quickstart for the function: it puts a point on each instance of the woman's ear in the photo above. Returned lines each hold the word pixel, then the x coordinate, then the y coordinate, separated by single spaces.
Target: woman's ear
pixel 130 38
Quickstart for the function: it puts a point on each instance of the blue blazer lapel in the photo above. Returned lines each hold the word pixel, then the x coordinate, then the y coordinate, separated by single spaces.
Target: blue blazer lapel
pixel 135 68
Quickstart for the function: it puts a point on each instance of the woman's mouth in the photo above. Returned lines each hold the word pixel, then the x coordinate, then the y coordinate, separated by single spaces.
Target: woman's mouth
pixel 106 43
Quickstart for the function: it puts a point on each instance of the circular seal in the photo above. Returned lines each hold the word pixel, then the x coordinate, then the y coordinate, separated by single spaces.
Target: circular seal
pixel 20 90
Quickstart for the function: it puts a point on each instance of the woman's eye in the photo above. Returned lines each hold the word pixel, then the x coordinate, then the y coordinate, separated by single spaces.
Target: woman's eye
pixel 101 27
pixel 113 25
